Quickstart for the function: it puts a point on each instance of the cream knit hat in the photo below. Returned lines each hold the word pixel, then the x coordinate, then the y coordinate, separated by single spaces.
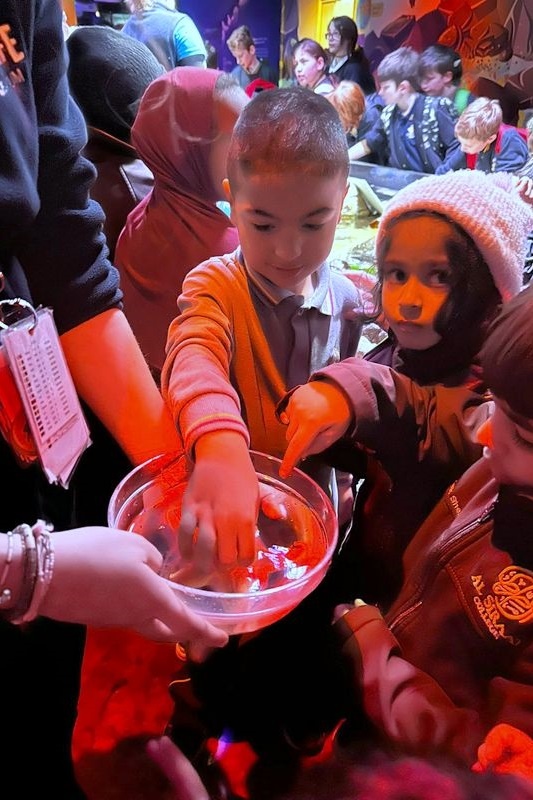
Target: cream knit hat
pixel 487 207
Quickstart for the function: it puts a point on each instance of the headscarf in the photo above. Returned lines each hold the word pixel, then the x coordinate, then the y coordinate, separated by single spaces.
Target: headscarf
pixel 178 225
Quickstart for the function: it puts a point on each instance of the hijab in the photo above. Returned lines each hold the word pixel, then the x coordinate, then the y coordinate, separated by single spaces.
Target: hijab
pixel 178 225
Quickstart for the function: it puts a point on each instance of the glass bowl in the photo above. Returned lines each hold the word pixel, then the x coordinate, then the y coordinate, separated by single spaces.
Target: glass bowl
pixel 292 554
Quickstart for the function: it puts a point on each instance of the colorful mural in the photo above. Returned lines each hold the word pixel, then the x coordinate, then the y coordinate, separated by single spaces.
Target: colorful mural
pixel 493 37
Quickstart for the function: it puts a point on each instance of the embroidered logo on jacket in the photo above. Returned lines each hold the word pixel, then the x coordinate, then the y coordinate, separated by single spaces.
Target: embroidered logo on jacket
pixel 511 598
pixel 10 57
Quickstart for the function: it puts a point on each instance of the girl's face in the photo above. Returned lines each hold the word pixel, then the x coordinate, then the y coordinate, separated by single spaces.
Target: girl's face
pixel 307 69
pixel 336 46
pixel 416 279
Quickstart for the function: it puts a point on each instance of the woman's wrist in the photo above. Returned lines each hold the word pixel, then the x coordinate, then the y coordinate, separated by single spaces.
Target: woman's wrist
pixel 27 555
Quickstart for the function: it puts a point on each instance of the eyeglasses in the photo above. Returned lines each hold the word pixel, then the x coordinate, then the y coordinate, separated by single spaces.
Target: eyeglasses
pixel 332 35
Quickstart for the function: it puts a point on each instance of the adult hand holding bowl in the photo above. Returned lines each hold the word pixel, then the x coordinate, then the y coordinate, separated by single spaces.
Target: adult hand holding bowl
pixel 292 554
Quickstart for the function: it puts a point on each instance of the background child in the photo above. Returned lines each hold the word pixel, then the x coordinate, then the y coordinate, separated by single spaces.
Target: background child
pixel 253 324
pixel 489 145
pixel 182 133
pixel 348 61
pixel 414 131
pixel 242 47
pixel 440 71
pixel 310 66
pixel 358 113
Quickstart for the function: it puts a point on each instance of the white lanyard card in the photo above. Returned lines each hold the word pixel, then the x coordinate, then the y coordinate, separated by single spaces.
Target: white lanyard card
pixel 48 394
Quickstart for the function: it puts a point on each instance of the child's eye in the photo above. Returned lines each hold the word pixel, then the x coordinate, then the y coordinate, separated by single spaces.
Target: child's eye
pixel 312 227
pixel 440 277
pixel 395 275
pixel 262 228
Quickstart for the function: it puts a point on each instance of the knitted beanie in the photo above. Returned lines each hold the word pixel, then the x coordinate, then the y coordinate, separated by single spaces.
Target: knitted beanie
pixel 108 73
pixel 487 207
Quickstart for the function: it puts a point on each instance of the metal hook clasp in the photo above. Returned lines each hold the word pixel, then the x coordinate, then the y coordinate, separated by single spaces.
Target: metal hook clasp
pixel 17 303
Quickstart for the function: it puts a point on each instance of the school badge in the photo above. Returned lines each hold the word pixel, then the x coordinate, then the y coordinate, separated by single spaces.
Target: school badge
pixel 510 598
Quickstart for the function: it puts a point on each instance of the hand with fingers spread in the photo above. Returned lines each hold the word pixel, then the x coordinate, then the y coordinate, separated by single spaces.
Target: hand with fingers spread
pixel 317 415
pixel 109 578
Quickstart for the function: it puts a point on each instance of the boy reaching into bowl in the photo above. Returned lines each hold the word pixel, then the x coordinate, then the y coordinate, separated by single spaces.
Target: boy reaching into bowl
pixel 253 324
pixel 256 322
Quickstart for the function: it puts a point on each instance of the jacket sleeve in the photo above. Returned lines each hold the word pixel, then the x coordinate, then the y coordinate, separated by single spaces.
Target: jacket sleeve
pixel 411 708
pixel 404 423
pixel 403 702
pixel 376 138
pixel 63 254
pixel 453 157
pixel 513 152
pixel 195 380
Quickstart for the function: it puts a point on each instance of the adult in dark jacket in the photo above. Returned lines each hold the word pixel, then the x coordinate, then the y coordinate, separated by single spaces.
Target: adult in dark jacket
pixel 53 254
pixel 348 61
pixel 108 74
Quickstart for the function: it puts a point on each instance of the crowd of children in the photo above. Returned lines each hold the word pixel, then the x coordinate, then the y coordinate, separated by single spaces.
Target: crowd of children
pixel 424 445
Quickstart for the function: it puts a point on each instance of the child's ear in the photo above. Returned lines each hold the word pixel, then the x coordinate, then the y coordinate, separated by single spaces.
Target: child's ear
pixel 492 138
pixel 227 190
pixel 342 204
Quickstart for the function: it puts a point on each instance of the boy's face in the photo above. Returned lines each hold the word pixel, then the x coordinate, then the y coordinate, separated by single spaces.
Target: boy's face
pixel 416 276
pixel 286 223
pixel 244 58
pixel 473 146
pixel 508 447
pixel 390 92
pixel 434 83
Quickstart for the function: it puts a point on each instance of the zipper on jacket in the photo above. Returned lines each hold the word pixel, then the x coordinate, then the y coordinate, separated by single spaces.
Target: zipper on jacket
pixel 431 572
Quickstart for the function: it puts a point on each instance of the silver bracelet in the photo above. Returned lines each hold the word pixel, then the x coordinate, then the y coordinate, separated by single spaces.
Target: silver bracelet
pixel 5 593
pixel 29 555
pixel 45 570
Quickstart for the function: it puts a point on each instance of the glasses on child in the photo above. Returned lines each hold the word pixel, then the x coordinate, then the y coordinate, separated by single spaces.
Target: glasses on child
pixel 332 35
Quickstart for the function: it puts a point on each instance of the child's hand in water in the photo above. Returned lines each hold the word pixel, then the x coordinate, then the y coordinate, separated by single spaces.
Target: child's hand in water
pixel 220 505
pixel 317 415
pixel 220 508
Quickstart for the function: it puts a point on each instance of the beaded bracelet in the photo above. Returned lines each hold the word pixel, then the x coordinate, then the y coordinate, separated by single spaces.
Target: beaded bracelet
pixel 5 593
pixel 29 556
pixel 45 570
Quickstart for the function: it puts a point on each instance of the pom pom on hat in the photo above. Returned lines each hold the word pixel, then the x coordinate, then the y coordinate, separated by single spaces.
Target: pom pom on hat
pixel 108 73
pixel 487 207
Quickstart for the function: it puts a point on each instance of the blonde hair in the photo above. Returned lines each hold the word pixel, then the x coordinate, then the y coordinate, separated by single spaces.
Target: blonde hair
pixel 240 39
pixel 349 100
pixel 480 120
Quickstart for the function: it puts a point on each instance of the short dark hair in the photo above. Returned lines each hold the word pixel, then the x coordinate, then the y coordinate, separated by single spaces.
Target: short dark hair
pixel 442 59
pixel 289 128
pixel 400 65
pixel 507 355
